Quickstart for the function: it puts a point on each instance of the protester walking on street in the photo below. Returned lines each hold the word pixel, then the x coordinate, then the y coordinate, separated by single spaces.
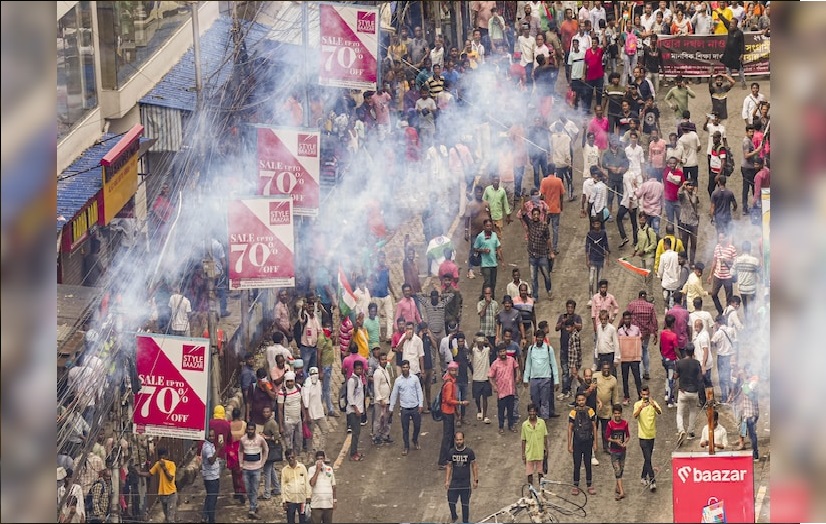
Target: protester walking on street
pixel 296 485
pixel 461 470
pixel 582 441
pixel 646 411
pixel 407 390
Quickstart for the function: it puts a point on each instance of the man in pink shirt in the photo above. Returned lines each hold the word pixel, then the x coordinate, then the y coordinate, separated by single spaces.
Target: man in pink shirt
pixel 650 196
pixel 603 300
pixel 599 124
pixel 406 308
pixel 673 179
pixel 449 269
pixel 503 376
pixel 656 154
pixel 761 180
pixel 380 102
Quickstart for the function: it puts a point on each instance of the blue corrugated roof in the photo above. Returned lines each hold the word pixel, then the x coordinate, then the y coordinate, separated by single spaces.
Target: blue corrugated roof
pixel 176 90
pixel 83 179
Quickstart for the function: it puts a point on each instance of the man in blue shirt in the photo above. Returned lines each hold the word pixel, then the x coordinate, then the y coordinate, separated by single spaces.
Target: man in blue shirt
pixel 488 247
pixel 541 373
pixel 408 391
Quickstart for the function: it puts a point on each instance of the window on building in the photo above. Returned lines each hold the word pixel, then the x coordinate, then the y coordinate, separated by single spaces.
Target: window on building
pixel 130 32
pixel 76 89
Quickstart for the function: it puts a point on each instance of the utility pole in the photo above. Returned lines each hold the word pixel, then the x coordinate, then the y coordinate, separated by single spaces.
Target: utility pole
pixel 209 261
pixel 305 42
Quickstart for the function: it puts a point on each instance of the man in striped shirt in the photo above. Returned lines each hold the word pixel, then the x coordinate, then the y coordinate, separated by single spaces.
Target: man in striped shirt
pixel 724 255
pixel 747 268
pixel 644 315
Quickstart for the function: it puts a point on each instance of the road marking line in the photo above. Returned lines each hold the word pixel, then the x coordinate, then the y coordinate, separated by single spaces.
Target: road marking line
pixel 341 454
pixel 758 506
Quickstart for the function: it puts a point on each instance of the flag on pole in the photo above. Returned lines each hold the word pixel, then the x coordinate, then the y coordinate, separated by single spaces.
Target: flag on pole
pixel 346 297
pixel 631 267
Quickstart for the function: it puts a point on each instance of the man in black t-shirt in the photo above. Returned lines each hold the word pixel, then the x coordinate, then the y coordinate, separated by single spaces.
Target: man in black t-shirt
pixel 723 203
pixel 460 468
pixel 690 375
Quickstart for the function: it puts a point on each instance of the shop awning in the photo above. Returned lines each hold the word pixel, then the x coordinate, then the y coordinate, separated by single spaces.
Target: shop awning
pixel 81 181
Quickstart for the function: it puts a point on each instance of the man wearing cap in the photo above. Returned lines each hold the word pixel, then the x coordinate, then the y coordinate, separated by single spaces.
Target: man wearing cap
pixel 408 391
pixel 312 399
pixel 289 413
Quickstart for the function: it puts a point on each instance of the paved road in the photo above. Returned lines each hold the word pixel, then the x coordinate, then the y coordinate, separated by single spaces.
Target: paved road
pixel 387 487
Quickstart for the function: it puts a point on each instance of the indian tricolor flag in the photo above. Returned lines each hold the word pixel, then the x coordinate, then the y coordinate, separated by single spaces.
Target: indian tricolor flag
pixel 346 297
pixel 631 267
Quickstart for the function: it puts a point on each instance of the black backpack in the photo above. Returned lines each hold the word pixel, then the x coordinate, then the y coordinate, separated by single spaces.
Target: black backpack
pixel 583 426
pixel 436 407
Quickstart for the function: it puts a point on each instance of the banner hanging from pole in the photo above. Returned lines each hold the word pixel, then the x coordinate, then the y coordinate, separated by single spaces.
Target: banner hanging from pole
pixel 692 55
pixel 261 242
pixel 289 164
pixel 349 46
pixel 174 375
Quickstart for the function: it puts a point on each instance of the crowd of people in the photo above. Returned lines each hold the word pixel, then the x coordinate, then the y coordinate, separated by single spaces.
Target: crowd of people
pixel 394 347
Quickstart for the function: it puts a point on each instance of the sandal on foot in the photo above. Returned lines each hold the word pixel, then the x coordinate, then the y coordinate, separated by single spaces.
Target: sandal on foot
pixel 619 497
pixel 592 490
pixel 575 491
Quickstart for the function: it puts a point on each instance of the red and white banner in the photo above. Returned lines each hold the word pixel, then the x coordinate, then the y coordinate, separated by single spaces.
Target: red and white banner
pixel 349 46
pixel 174 375
pixel 707 487
pixel 261 242
pixel 289 164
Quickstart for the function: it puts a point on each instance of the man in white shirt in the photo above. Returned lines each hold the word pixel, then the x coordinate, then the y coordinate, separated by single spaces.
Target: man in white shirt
pixel 597 13
pixel 311 398
pixel 689 144
pixel 667 14
pixel 181 309
pixel 381 402
pixel 598 198
pixel 720 435
pixel 606 349
pixel 527 49
pixel 713 125
pixel 576 61
pixel 702 352
pixel 412 349
pixel 584 13
pixel 698 314
pixel 722 341
pixel 275 349
pixel 635 155
pixel 323 484
pixel 668 270
pixel 751 102
pixel 701 21
pixel 647 20
pixel 541 49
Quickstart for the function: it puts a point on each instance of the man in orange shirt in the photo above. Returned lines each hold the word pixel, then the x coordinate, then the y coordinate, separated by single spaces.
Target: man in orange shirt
pixel 567 29
pixel 552 191
pixel 449 403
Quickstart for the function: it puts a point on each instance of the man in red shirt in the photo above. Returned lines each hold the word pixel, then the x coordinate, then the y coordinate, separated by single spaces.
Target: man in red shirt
pixel 594 74
pixel 673 179
pixel 668 350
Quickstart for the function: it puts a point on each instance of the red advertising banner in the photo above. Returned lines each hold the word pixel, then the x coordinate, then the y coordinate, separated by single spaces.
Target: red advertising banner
pixel 174 375
pixel 349 46
pixel 289 164
pixel 692 55
pixel 261 242
pixel 713 488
